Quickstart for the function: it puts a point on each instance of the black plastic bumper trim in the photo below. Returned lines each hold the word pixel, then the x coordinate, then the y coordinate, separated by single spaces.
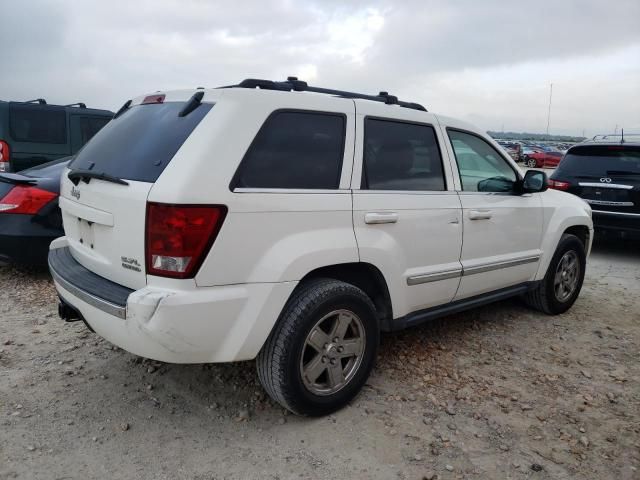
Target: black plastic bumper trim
pixel 88 287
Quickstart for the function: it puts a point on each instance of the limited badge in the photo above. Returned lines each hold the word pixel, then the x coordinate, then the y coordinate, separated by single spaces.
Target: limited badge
pixel 131 264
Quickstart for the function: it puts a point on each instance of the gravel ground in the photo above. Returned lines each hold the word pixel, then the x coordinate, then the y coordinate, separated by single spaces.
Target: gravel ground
pixel 497 393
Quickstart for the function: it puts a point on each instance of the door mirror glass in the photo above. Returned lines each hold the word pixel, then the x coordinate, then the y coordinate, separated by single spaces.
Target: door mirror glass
pixel 534 181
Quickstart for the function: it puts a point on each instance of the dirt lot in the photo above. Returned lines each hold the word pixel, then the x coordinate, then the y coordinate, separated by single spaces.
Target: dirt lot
pixel 497 393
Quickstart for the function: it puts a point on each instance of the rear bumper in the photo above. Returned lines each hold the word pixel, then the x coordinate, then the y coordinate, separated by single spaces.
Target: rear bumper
pixel 190 325
pixel 617 221
pixel 23 241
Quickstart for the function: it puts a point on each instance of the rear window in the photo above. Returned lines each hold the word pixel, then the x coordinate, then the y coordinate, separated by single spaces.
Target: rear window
pixel 89 126
pixel 295 150
pixel 601 160
pixel 140 143
pixel 37 124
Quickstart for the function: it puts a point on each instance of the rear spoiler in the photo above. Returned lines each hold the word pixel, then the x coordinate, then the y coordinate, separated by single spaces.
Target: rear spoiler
pixel 17 179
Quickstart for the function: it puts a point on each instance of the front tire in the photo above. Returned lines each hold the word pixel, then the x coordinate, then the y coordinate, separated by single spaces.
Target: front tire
pixel 562 283
pixel 531 162
pixel 322 349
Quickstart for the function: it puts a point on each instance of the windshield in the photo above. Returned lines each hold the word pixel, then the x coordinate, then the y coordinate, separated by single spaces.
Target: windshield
pixel 602 160
pixel 139 144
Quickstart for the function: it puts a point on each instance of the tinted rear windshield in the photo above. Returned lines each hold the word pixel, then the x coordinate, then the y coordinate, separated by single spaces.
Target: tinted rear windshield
pixel 38 124
pixel 602 160
pixel 140 143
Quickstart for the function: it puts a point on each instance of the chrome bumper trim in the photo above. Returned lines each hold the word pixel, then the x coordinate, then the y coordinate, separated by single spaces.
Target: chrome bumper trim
pixel 607 203
pixel 618 214
pixel 616 186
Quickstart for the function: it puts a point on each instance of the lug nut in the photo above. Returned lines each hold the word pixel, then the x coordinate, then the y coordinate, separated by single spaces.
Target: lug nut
pixel 323 359
pixel 340 349
pixel 335 340
pixel 333 361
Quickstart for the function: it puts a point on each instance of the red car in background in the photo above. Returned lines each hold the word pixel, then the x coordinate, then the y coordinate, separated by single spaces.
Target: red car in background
pixel 539 158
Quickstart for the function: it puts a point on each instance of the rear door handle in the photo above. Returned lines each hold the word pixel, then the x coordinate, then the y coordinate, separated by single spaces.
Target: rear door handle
pixel 480 214
pixel 373 218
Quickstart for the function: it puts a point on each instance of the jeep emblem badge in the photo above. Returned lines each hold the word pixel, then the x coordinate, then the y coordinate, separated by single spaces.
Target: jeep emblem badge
pixel 75 192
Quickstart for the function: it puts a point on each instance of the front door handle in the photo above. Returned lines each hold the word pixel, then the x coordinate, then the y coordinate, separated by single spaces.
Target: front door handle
pixel 373 218
pixel 480 214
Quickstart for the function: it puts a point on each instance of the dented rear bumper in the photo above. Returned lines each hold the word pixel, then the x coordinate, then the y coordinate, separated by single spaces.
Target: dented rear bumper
pixel 191 325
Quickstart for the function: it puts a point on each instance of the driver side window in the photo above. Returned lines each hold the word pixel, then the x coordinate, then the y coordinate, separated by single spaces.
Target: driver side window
pixel 481 167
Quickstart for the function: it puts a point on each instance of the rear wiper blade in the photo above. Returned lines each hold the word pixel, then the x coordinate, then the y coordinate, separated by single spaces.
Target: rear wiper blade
pixel 16 179
pixel 85 175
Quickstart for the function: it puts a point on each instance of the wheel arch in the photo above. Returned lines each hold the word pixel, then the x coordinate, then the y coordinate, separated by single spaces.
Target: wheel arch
pixel 582 232
pixel 580 226
pixel 366 277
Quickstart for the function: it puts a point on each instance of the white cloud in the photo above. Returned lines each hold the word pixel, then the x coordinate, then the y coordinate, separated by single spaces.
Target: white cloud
pixel 307 71
pixel 490 62
pixel 351 36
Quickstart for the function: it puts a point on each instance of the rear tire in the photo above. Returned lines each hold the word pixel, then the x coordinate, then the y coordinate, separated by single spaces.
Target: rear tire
pixel 322 349
pixel 562 283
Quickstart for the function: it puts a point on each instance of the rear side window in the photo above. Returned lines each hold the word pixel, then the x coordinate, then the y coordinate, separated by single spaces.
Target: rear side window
pixel 295 150
pixel 140 143
pixel 33 123
pixel 401 156
pixel 601 161
pixel 89 126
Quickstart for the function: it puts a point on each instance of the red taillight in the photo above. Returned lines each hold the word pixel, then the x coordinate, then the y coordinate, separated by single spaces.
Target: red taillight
pixel 153 99
pixel 27 200
pixel 5 153
pixel 558 185
pixel 178 237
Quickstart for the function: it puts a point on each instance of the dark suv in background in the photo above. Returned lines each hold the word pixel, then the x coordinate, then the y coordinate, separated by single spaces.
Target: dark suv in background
pixel 605 172
pixel 34 132
pixel 37 140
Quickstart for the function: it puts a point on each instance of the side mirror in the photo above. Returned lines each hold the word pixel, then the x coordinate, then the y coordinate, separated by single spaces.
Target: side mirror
pixel 534 181
pixel 496 184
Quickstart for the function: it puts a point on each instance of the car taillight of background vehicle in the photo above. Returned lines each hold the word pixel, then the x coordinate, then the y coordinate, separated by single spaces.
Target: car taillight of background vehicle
pixel 4 156
pixel 178 237
pixel 25 200
pixel 558 185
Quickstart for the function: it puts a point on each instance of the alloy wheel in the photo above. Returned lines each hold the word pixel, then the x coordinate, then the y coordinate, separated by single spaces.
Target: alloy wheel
pixel 567 275
pixel 332 352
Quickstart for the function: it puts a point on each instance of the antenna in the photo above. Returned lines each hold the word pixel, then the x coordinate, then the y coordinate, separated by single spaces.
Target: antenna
pixel 622 139
pixel 549 111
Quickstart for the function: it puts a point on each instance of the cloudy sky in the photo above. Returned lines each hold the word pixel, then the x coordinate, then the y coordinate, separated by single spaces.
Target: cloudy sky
pixel 489 62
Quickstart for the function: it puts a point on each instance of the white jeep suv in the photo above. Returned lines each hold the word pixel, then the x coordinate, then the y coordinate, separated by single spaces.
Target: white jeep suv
pixel 293 224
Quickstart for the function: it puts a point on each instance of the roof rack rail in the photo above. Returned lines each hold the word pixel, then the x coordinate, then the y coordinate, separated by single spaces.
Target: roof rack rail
pixel 292 84
pixel 79 105
pixel 40 101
